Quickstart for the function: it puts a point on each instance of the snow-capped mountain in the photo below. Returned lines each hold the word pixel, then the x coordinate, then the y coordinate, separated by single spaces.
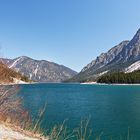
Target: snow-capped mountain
pixel 39 70
pixel 123 57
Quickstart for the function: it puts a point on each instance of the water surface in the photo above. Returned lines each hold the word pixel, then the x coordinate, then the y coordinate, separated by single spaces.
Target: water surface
pixel 111 108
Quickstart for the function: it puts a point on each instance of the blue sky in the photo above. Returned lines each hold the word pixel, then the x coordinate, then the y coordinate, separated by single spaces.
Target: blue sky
pixel 68 32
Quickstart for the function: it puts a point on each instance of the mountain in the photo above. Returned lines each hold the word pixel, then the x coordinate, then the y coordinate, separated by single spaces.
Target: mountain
pixel 10 76
pixel 39 70
pixel 119 58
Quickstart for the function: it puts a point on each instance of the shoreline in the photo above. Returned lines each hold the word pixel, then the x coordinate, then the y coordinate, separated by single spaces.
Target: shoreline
pixel 123 84
pixel 12 84
pixel 10 132
pixel 85 83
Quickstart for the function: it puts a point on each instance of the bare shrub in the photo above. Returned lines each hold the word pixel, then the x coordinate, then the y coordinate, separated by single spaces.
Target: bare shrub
pixel 9 105
pixel 11 109
pixel 60 132
pixel 83 133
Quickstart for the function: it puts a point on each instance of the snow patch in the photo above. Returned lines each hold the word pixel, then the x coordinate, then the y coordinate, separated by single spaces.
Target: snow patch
pixel 14 63
pixel 18 81
pixel 135 66
pixel 30 75
pixel 100 74
pixel 36 70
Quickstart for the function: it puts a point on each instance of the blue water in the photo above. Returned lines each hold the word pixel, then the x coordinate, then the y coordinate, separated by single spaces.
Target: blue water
pixel 111 108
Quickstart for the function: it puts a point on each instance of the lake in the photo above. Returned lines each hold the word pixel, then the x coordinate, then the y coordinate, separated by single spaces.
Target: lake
pixel 112 109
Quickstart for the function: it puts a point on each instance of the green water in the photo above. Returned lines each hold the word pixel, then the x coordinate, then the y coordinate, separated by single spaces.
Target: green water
pixel 112 109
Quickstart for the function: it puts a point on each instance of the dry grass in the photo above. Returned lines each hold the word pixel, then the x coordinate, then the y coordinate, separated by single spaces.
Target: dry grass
pixel 83 133
pixel 13 115
pixel 9 107
pixel 11 110
pixel 61 132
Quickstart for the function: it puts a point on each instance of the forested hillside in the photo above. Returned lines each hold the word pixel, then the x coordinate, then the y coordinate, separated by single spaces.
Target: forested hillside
pixel 121 77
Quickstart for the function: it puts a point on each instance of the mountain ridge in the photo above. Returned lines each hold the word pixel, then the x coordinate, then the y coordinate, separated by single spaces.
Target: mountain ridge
pixel 116 59
pixel 39 70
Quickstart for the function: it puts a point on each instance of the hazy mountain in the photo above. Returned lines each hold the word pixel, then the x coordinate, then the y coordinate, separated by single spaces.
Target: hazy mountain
pixel 39 70
pixel 120 58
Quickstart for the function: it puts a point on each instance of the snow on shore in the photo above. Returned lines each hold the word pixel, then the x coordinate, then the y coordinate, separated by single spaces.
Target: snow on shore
pixel 17 81
pixel 121 84
pixel 7 133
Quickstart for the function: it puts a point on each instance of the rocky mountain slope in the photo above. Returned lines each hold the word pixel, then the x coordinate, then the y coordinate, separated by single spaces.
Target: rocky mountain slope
pixel 10 76
pixel 119 58
pixel 39 70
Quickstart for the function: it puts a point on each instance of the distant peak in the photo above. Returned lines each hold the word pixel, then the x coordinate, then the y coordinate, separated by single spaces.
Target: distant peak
pixel 137 33
pixel 125 42
pixel 23 57
pixel 138 30
pixel 136 38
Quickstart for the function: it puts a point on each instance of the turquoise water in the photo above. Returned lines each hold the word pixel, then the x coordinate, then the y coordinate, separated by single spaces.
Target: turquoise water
pixel 111 108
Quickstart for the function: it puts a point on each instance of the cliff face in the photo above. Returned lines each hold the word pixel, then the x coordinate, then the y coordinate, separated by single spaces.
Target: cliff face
pixel 119 58
pixel 106 58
